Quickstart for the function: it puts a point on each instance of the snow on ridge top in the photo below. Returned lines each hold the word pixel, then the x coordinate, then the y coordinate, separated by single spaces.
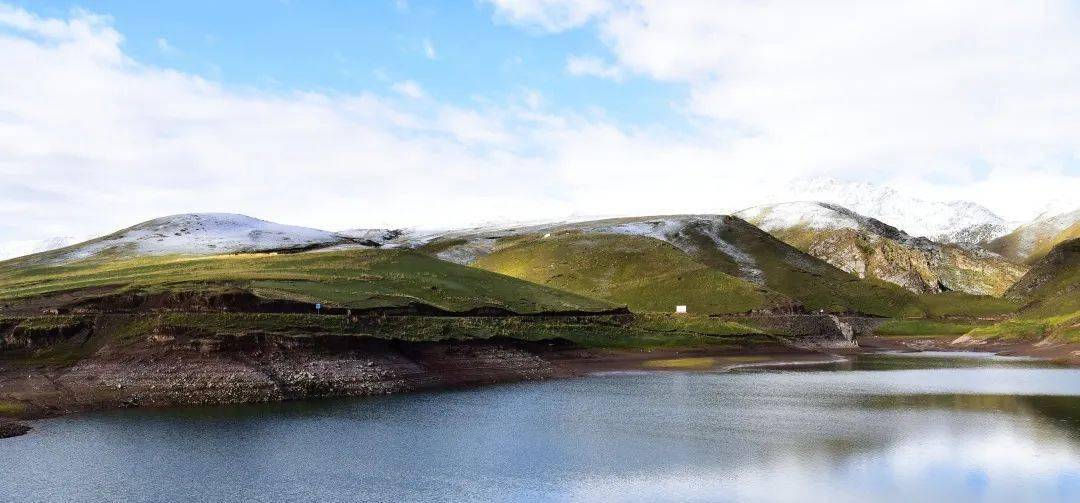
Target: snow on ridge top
pixel 205 234
pixel 1044 226
pixel 411 237
pixel 960 222
pixel 812 215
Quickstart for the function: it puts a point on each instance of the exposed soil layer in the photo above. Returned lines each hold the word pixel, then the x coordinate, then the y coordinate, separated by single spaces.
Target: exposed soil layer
pixel 161 375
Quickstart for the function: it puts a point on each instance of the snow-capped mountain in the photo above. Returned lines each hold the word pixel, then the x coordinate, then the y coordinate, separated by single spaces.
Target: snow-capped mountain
pixel 198 234
pixel 868 247
pixel 958 222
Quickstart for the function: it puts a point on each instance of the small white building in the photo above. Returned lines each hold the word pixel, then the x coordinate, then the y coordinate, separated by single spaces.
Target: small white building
pixel 680 309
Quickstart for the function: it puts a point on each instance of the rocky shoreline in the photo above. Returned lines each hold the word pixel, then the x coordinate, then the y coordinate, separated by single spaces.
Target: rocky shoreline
pixel 1047 349
pixel 207 365
pixel 385 367
pixel 166 376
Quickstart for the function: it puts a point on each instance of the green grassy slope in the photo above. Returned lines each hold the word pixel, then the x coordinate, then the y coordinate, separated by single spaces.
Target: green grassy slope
pixel 959 304
pixel 353 278
pixel 1050 292
pixel 1052 286
pixel 656 255
pixel 645 274
pixel 785 269
pixel 638 331
pixel 819 285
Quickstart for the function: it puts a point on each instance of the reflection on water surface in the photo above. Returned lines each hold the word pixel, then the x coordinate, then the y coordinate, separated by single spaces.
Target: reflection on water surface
pixel 880 428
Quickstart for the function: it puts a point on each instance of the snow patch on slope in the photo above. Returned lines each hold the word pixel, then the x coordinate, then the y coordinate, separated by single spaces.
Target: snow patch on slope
pixel 810 215
pixel 1044 226
pixel 748 267
pixel 668 229
pixel 662 229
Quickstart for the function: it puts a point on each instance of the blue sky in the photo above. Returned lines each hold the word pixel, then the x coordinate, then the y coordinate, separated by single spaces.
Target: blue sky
pixel 422 113
pixel 348 47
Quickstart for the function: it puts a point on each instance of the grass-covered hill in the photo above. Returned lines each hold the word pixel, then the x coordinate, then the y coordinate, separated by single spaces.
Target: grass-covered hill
pixel 356 278
pixel 1050 293
pixel 1052 287
pixel 191 234
pixel 870 248
pixel 714 264
pixel 210 253
pixel 643 273
pixel 1031 241
pixel 655 263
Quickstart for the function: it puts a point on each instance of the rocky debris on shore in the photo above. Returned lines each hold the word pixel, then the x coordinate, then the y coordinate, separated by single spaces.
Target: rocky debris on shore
pixel 167 376
pixel 819 330
pixel 9 429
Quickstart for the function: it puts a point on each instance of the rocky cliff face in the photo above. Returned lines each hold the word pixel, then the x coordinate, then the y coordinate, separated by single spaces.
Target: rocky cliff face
pixel 870 248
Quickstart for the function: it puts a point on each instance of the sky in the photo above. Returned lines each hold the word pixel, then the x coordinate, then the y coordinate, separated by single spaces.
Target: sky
pixel 437 114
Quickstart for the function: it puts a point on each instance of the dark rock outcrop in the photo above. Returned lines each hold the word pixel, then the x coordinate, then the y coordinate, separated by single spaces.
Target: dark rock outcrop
pixel 9 429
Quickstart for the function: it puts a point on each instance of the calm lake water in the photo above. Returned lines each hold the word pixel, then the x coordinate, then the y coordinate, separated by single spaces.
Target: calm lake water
pixel 882 428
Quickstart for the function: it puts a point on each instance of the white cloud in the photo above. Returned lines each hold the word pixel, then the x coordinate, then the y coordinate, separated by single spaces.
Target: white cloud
pixel 409 89
pixel 950 92
pixel 551 15
pixel 92 140
pixel 593 66
pixel 429 49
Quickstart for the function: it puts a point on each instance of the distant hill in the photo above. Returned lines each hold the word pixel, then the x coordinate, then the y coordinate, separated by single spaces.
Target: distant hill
pixel 199 256
pixel 715 264
pixel 1052 285
pixel 193 234
pixel 356 279
pixel 605 255
pixel 645 274
pixel 870 248
pixel 1031 241
pixel 1050 292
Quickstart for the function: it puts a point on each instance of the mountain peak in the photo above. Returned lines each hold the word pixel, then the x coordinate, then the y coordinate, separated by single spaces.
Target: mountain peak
pixel 957 222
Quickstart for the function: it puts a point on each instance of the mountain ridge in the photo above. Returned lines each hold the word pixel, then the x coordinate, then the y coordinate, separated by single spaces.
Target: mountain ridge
pixel 1029 242
pixel 953 222
pixel 192 234
pixel 868 247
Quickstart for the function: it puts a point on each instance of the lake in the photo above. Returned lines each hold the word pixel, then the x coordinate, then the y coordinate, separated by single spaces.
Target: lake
pixel 884 427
